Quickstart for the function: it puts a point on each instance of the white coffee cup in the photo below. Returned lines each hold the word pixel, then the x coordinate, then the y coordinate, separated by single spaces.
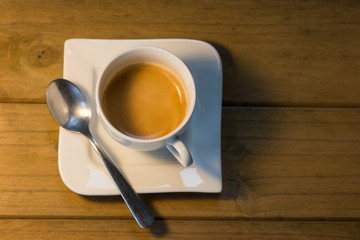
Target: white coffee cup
pixel 163 58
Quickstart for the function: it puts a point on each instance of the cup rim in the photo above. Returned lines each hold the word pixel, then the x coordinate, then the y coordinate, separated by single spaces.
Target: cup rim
pixel 115 131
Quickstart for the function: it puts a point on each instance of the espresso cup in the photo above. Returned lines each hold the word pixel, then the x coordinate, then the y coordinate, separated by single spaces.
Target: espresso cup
pixel 144 99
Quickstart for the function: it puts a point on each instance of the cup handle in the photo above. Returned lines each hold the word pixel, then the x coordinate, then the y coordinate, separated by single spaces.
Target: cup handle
pixel 180 152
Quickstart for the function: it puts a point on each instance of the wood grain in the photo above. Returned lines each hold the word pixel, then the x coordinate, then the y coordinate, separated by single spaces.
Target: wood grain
pixel 277 163
pixel 176 229
pixel 288 173
pixel 274 53
pixel 295 162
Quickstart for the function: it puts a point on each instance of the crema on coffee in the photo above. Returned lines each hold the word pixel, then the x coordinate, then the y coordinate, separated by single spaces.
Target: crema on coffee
pixel 144 101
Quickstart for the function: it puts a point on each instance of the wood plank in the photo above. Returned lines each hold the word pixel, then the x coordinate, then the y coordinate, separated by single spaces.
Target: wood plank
pixel 277 163
pixel 295 162
pixel 175 229
pixel 31 184
pixel 275 53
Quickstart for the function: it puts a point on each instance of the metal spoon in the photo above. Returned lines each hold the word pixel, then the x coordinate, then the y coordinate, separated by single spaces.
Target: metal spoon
pixel 70 109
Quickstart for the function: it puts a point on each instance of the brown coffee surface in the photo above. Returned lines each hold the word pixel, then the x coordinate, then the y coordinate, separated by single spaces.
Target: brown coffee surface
pixel 144 101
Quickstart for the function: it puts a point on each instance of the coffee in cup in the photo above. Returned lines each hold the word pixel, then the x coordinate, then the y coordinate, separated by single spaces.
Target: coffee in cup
pixel 144 98
pixel 144 101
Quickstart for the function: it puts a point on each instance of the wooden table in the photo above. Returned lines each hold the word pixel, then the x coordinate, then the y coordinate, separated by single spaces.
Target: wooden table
pixel 290 121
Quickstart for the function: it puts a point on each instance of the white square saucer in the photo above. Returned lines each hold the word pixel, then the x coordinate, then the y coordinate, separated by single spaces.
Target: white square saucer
pixel 148 172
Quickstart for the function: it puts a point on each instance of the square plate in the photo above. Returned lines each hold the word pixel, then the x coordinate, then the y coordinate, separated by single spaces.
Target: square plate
pixel 148 172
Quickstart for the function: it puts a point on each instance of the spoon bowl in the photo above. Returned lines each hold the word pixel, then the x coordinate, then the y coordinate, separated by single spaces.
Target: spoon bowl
pixel 68 105
pixel 71 110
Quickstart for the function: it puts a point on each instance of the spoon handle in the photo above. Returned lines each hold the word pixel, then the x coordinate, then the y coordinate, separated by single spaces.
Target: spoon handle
pixel 138 209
